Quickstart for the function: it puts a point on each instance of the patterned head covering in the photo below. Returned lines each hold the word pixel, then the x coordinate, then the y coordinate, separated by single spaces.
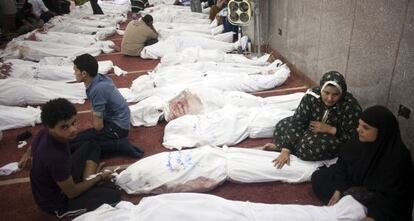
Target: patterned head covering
pixel 336 79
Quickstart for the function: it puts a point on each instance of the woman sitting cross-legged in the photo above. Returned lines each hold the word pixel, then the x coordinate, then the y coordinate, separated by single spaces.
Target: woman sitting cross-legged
pixel 325 118
pixel 375 169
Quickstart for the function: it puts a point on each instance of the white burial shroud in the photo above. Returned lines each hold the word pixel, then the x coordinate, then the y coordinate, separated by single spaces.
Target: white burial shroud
pixel 36 50
pixel 227 126
pixel 81 40
pixel 159 2
pixel 18 92
pixel 79 26
pixel 202 169
pixel 17 117
pixel 226 77
pixel 49 68
pixel 175 14
pixel 186 30
pixel 206 207
pixel 178 43
pixel 197 54
pixel 200 101
pixel 114 2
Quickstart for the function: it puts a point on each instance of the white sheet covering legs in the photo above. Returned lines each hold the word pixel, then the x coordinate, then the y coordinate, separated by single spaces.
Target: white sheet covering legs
pixel 174 79
pixel 17 92
pixel 202 169
pixel 197 54
pixel 49 68
pixel 176 14
pixel 204 207
pixel 248 165
pixel 81 40
pixel 17 117
pixel 35 50
pixel 198 169
pixel 177 44
pixel 227 126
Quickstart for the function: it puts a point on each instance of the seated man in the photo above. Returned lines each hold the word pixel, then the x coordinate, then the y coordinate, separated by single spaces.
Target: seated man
pixel 40 10
pixel 138 34
pixel 58 178
pixel 110 111
pixel 26 20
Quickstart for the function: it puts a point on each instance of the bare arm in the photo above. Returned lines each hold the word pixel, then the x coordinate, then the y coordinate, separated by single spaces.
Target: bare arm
pixel 97 122
pixel 336 196
pixel 72 189
pixel 25 162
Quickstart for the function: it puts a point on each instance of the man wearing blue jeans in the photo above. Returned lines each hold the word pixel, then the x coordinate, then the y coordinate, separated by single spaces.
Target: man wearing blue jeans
pixel 110 112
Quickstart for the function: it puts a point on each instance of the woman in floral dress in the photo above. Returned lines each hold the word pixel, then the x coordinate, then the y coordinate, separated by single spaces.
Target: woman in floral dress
pixel 326 118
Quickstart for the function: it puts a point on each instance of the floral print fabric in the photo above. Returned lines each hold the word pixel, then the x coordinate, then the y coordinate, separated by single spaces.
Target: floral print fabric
pixel 294 133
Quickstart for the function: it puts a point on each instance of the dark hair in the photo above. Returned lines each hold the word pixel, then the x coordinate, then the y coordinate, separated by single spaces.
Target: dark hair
pixel 88 63
pixel 57 110
pixel 148 19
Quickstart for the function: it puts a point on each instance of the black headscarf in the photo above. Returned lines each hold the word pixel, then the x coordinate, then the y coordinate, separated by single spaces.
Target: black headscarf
pixel 384 167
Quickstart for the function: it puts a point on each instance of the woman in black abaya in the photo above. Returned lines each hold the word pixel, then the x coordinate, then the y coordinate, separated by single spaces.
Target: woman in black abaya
pixel 375 169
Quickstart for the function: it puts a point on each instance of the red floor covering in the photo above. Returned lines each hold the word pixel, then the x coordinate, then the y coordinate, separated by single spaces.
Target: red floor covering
pixel 16 199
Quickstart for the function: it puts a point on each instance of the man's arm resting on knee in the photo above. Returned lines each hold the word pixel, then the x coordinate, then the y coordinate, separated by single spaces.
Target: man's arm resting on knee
pixel 72 189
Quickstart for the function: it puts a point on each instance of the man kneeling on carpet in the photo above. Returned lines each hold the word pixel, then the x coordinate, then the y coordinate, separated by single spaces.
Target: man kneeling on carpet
pixel 110 112
pixel 59 179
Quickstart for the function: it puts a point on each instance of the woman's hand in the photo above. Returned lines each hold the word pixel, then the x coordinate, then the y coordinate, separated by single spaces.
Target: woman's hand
pixel 282 159
pixel 319 127
pixel 335 198
pixel 368 219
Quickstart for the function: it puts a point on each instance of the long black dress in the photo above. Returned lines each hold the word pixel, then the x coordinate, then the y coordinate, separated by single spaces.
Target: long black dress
pixel 378 174
pixel 294 133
